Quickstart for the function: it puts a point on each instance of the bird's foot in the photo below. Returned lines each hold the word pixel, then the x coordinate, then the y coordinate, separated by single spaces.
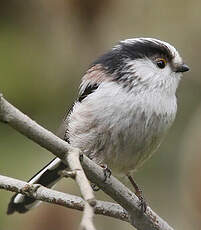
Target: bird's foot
pixel 142 204
pixel 95 187
pixel 107 171
pixel 138 193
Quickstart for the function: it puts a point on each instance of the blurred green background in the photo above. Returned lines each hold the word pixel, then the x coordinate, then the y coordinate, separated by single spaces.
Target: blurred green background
pixel 46 46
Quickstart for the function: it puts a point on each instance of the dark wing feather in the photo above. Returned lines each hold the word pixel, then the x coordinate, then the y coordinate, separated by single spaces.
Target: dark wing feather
pixel 88 90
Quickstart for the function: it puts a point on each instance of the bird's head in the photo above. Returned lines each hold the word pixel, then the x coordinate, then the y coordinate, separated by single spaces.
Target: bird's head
pixel 146 63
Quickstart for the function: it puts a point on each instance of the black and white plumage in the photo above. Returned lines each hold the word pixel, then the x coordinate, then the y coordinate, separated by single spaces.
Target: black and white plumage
pixel 125 106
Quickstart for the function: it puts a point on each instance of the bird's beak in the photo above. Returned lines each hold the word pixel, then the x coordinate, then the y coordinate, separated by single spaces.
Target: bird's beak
pixel 182 68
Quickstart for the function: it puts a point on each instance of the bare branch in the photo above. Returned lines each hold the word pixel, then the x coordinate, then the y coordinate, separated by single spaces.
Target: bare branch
pixel 115 189
pixel 85 188
pixel 87 223
pixel 9 114
pixel 42 193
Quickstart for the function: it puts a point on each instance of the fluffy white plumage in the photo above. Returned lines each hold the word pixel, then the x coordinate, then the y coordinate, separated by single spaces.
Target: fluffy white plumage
pixel 123 128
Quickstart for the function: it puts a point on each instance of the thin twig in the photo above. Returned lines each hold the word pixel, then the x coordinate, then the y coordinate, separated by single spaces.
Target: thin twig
pixel 42 193
pixel 85 188
pixel 115 189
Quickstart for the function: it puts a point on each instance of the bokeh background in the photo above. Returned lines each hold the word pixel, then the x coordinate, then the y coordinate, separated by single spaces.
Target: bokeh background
pixel 46 46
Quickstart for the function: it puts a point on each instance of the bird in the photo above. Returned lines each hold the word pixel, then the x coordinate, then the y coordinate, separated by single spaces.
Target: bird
pixel 126 104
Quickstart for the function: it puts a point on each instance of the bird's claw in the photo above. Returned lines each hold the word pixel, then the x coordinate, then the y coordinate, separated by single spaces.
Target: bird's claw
pixel 107 171
pixel 138 193
pixel 95 187
pixel 142 205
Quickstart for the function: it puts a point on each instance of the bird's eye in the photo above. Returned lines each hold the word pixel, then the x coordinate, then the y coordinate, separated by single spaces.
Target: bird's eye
pixel 161 63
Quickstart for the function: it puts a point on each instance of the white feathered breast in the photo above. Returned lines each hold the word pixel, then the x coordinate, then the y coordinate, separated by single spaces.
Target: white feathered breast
pixel 121 128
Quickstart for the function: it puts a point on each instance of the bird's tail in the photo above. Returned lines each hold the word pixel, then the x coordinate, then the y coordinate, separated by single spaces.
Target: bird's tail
pixel 48 176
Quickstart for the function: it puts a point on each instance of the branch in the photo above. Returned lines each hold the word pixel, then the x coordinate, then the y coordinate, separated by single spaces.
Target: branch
pixel 8 114
pixel 85 188
pixel 42 193
pixel 121 194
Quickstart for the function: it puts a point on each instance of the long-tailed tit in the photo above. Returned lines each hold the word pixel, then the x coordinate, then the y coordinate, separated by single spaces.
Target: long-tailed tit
pixel 126 104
